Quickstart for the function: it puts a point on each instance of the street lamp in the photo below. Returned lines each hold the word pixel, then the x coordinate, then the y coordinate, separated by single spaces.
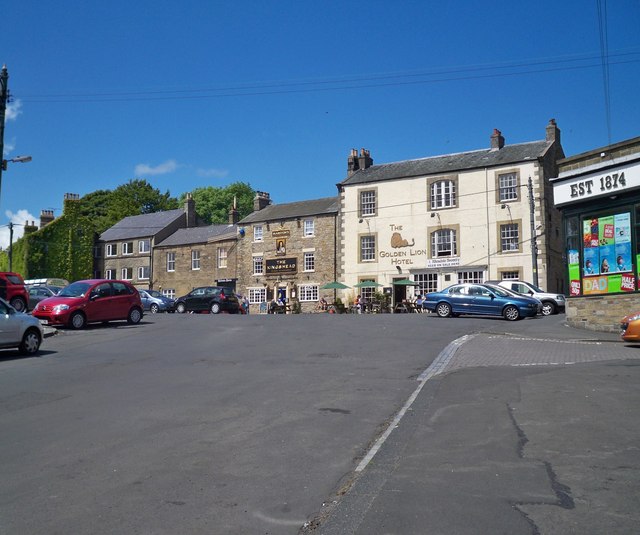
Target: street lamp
pixel 17 159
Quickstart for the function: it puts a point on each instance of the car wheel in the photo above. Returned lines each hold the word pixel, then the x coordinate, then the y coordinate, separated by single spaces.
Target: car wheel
pixel 215 308
pixel 443 310
pixel 19 304
pixel 30 342
pixel 548 308
pixel 154 308
pixel 134 316
pixel 78 321
pixel 181 308
pixel 511 313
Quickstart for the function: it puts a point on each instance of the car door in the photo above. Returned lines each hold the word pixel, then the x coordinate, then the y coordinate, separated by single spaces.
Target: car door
pixel 145 298
pixel 459 299
pixel 120 302
pixel 9 327
pixel 98 307
pixel 195 299
pixel 485 302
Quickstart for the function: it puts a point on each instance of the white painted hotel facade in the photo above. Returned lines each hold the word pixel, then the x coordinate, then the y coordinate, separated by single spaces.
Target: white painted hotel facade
pixel 459 217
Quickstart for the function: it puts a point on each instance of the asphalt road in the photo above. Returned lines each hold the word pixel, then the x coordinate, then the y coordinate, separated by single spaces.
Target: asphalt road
pixel 219 424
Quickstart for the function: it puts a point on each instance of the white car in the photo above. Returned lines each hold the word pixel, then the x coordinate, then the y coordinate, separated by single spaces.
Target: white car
pixel 19 330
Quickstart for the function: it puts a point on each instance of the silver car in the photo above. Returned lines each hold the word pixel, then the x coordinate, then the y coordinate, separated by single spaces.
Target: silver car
pixel 154 301
pixel 19 330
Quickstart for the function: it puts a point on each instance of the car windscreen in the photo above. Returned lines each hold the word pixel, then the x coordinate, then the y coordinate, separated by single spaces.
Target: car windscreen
pixel 77 289
pixel 154 293
pixel 14 279
pixel 500 291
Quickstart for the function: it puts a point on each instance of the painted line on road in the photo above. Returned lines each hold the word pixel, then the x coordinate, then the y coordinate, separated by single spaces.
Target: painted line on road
pixel 436 367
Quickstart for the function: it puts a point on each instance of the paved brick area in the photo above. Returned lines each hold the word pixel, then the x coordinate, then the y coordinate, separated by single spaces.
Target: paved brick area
pixel 510 350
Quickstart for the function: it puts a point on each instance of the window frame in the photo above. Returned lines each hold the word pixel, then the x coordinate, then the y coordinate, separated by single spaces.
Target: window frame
pixel 126 273
pixel 111 250
pixel 141 269
pixel 110 274
pixel 515 187
pixel 308 228
pixel 308 261
pixel 258 233
pixel 503 239
pixel 308 292
pixel 195 259
pixel 371 206
pixel 258 262
pixel 260 292
pixel 434 250
pixel 361 248
pixel 127 248
pixel 144 246
pixel 171 262
pixel 432 198
pixel 222 257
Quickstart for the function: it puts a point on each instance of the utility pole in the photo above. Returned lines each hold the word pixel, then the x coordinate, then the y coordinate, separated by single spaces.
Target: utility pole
pixel 4 97
pixel 534 243
pixel 11 246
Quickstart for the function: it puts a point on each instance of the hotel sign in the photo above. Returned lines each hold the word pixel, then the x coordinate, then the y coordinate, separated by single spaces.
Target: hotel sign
pixel 281 233
pixel 447 262
pixel 281 265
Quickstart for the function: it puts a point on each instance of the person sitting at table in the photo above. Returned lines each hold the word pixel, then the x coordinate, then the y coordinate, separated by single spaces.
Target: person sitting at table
pixel 358 304
pixel 322 304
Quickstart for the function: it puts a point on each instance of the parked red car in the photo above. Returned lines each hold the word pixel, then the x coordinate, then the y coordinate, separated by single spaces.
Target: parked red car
pixel 12 290
pixel 90 301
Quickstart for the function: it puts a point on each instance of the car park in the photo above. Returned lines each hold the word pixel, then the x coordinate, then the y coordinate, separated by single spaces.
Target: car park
pixel 480 299
pixel 552 303
pixel 630 328
pixel 213 299
pixel 91 301
pixel 39 292
pixel 13 291
pixel 19 330
pixel 154 301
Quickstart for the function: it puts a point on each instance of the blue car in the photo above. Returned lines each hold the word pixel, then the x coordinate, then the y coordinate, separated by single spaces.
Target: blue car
pixel 479 299
pixel 155 302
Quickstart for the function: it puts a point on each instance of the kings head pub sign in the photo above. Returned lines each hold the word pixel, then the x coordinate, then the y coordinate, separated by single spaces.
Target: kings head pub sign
pixel 281 265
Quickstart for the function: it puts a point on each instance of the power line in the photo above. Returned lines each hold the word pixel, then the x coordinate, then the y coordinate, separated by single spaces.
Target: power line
pixel 361 82
pixel 604 58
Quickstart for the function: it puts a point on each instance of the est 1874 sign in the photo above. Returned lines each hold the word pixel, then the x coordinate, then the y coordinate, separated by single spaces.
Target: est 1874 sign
pixel 597 184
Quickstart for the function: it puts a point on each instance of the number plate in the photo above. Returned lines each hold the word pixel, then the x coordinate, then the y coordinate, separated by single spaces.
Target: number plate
pixel 44 322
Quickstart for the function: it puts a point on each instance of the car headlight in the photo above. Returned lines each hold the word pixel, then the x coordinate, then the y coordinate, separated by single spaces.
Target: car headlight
pixel 59 308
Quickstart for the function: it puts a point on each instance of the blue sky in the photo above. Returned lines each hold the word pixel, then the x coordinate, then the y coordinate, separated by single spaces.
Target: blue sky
pixel 198 93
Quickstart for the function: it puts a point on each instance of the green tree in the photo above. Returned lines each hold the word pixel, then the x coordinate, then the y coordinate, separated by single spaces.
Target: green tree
pixel 213 203
pixel 105 207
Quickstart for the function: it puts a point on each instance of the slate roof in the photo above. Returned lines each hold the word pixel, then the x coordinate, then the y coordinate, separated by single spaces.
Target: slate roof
pixel 450 163
pixel 140 226
pixel 277 212
pixel 188 236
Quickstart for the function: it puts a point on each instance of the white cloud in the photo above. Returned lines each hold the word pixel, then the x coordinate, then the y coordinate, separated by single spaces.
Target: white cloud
pixel 8 147
pixel 145 169
pixel 13 110
pixel 18 219
pixel 212 173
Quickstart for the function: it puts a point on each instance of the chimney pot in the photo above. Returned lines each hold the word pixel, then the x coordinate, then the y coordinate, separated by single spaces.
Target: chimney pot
pixel 497 141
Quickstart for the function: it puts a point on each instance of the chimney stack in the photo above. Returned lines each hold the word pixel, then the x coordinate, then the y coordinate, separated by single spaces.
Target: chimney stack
pixel 46 217
pixel 497 141
pixel 190 211
pixel 261 200
pixel 356 162
pixel 234 215
pixel 553 132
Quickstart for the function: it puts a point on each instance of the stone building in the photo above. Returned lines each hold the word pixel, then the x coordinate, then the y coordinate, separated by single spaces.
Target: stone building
pixel 598 193
pixel 126 248
pixel 198 256
pixel 465 217
pixel 287 251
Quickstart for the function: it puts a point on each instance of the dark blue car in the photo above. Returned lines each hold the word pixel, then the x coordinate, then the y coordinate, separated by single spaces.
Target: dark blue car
pixel 481 300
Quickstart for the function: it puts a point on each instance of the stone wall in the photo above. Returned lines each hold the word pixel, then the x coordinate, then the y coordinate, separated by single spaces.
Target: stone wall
pixel 602 312
pixel 184 279
pixel 322 244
